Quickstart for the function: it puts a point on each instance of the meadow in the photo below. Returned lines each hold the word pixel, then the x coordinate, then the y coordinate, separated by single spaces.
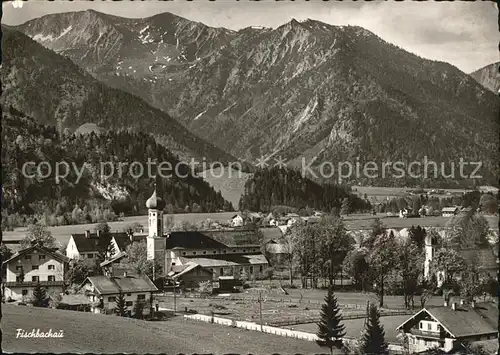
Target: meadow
pixel 96 333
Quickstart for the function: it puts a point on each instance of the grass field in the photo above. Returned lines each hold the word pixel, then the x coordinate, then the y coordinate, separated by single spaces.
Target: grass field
pixel 230 182
pixel 62 233
pixel 95 333
pixel 354 327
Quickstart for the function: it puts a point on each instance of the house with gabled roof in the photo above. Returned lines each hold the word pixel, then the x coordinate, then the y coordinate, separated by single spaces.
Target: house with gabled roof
pixel 33 265
pixel 120 241
pixel 448 328
pixel 102 291
pixel 88 245
pixel 190 274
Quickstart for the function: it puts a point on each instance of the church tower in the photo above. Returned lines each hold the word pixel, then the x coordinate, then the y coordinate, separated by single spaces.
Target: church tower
pixel 429 254
pixel 155 240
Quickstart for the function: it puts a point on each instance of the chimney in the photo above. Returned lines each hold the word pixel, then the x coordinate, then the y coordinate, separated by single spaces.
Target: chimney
pixel 87 234
pixel 454 306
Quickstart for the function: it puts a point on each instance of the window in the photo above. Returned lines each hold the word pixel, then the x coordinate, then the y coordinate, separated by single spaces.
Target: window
pixel 27 257
pixel 19 268
pixel 212 270
pixel 244 250
pixel 204 252
pixel 421 325
pixel 35 278
pixel 111 299
pixel 173 264
pixel 184 253
pixel 41 257
pixel 429 326
pixel 24 292
pixel 51 278
pixel 221 273
pixel 18 279
pixel 128 303
pixel 129 294
pixel 260 268
pixel 90 256
pixel 215 251
pixel 141 297
pixel 251 269
pixel 34 267
pixel 52 267
pixel 198 271
pixel 194 253
pixel 225 251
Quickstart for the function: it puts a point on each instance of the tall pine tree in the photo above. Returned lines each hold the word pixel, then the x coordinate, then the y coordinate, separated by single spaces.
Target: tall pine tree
pixel 40 298
pixel 330 327
pixel 373 341
pixel 120 305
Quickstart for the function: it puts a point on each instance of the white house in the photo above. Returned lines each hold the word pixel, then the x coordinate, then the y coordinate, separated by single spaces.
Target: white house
pixel 33 265
pixel 102 291
pixel 449 211
pixel 88 245
pixel 236 220
pixel 448 328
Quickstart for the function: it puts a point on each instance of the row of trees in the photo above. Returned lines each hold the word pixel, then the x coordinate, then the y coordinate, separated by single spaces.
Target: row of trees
pixel 381 262
pixel 485 202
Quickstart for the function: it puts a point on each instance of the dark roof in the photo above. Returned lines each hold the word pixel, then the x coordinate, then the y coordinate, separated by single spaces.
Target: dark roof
pixel 192 240
pixel 93 242
pixel 271 233
pixel 111 285
pixel 123 240
pixel 48 251
pixel 115 258
pixel 484 258
pixel 465 320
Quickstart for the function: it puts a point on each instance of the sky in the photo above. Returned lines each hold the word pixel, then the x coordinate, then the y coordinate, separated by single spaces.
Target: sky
pixel 464 34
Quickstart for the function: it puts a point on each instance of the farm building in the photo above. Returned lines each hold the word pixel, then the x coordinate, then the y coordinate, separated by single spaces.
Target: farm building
pixel 102 291
pixel 221 252
pixel 190 275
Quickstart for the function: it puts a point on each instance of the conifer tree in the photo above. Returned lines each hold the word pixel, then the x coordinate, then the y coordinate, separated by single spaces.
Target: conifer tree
pixel 373 341
pixel 40 298
pixel 330 327
pixel 120 305
pixel 345 209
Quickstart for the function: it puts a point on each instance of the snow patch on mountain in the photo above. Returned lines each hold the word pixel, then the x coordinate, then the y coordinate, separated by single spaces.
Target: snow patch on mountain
pixel 200 114
pixel 305 115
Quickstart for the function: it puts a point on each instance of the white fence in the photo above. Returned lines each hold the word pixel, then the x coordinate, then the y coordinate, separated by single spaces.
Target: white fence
pixel 271 330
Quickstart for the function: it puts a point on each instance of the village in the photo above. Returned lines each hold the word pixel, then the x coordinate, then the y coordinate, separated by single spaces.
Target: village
pixel 428 286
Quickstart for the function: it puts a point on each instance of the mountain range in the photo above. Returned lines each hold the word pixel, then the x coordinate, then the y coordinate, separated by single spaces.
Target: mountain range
pixel 305 90
pixel 55 91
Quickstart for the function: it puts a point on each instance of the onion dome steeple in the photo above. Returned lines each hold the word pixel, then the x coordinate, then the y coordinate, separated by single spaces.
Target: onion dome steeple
pixel 155 202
